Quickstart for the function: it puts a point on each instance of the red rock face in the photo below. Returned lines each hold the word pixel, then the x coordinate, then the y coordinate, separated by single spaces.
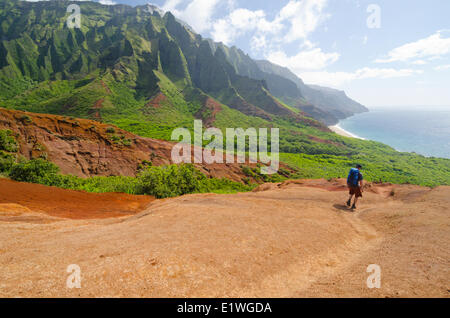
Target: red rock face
pixel 86 148
pixel 156 101
pixel 209 111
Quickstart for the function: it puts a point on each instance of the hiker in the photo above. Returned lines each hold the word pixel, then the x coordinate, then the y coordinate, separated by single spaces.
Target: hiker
pixel 355 184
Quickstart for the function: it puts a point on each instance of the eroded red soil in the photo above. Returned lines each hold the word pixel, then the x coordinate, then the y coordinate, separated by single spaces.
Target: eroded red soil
pixel 87 148
pixel 295 239
pixel 69 204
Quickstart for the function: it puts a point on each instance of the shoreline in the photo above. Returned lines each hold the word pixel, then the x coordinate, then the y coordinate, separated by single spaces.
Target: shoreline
pixel 340 131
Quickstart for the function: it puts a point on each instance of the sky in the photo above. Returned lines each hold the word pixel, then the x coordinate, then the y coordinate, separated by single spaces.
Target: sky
pixel 381 52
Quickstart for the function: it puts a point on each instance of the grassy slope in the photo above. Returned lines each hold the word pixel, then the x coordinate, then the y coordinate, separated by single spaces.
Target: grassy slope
pixel 312 159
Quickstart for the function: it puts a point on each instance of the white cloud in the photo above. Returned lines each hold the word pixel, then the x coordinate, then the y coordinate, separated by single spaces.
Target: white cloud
pixel 432 47
pixel 442 67
pixel 295 21
pixel 223 33
pixel 419 62
pixel 303 16
pixel 258 42
pixel 337 79
pixel 171 5
pixel 241 21
pixel 311 59
pixel 107 2
pixel 198 13
pixel 307 45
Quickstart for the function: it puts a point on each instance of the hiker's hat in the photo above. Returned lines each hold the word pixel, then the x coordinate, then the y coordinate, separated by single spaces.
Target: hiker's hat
pixel 359 166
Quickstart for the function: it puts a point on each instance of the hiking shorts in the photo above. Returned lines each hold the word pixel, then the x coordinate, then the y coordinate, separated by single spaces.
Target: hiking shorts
pixel 355 190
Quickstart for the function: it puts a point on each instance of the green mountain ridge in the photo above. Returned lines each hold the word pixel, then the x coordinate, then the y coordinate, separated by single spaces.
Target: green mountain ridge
pixel 149 73
pixel 326 104
pixel 118 43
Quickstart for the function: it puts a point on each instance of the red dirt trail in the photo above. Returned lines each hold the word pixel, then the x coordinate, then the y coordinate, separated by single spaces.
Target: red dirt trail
pixel 293 239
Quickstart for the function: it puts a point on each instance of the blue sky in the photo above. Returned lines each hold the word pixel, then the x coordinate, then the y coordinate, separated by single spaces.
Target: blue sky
pixel 381 52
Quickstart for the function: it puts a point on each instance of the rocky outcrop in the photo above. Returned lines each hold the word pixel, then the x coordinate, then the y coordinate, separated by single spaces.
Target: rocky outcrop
pixel 88 148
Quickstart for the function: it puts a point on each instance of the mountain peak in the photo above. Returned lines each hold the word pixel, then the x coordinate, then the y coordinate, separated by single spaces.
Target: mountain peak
pixel 152 8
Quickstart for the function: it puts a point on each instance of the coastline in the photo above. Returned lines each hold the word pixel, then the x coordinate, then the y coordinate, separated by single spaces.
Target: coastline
pixel 403 131
pixel 338 130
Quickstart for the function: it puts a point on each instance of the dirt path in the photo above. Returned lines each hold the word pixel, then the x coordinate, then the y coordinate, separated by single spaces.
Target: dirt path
pixel 290 240
pixel 413 253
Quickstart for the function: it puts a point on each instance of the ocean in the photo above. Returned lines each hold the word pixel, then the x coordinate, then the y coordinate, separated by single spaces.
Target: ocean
pixel 421 129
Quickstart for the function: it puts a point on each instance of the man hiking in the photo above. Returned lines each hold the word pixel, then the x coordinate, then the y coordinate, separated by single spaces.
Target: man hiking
pixel 354 183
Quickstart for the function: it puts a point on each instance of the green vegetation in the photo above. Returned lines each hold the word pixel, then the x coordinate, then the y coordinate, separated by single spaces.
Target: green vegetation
pixel 34 171
pixel 7 161
pixel 149 74
pixel 8 149
pixel 397 168
pixel 173 180
pixel 7 141
pixel 256 174
pixel 161 182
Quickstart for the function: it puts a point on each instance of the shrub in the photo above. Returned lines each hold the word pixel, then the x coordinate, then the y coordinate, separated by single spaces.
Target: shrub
pixel 7 160
pixel 7 141
pixel 35 171
pixel 110 130
pixel 173 180
pixel 68 182
pixel 170 181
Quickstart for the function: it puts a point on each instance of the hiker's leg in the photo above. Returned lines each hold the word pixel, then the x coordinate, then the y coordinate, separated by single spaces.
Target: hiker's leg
pixel 349 202
pixel 356 200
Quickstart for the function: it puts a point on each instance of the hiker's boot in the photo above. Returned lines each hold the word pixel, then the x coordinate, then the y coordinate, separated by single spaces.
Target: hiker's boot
pixel 353 207
pixel 349 202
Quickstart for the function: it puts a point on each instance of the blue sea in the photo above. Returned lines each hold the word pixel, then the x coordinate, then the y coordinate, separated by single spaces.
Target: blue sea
pixel 420 129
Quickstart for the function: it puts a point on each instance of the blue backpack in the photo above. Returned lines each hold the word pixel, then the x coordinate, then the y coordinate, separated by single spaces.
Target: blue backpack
pixel 353 177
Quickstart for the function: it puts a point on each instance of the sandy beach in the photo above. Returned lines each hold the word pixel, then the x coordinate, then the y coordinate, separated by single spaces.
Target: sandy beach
pixel 338 130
